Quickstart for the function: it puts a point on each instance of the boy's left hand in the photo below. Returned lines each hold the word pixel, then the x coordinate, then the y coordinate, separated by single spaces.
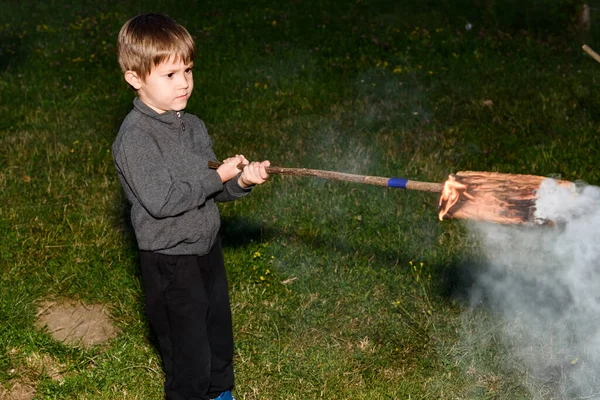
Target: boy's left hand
pixel 254 173
pixel 229 168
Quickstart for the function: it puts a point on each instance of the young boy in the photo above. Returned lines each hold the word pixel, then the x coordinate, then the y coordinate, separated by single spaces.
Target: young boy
pixel 161 155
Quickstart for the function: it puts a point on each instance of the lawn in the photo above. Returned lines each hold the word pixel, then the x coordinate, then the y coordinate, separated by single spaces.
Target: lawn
pixel 339 290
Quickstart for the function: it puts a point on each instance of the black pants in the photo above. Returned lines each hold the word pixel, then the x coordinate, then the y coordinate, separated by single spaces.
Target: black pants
pixel 187 303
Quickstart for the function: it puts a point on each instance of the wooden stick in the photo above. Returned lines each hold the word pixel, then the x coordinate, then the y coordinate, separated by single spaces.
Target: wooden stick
pixel 399 183
pixel 591 52
pixel 480 196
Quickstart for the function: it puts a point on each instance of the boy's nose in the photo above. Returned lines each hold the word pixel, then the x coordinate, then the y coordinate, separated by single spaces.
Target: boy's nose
pixel 185 81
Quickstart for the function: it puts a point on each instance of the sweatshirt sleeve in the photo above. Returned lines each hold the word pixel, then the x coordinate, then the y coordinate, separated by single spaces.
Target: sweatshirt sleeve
pixel 232 190
pixel 164 187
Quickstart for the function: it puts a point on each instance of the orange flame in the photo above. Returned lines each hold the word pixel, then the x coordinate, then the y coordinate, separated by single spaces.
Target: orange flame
pixel 450 195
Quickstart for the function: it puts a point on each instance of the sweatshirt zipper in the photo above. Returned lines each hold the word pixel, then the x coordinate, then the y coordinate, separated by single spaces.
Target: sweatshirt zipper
pixel 180 121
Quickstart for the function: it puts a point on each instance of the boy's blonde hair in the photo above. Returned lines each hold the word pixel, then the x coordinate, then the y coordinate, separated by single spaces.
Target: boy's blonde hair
pixel 150 39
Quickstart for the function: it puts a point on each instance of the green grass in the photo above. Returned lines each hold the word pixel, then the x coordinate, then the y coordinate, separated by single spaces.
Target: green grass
pixel 338 290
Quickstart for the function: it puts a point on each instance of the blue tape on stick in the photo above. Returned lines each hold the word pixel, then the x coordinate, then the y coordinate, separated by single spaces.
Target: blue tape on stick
pixel 399 183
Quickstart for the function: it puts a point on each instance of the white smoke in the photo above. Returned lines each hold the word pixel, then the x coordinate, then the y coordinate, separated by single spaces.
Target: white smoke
pixel 545 283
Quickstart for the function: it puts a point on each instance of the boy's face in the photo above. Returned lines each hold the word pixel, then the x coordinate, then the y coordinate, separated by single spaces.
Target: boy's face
pixel 168 87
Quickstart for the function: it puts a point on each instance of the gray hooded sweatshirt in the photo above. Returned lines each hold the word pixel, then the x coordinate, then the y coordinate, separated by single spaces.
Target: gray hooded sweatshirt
pixel 162 164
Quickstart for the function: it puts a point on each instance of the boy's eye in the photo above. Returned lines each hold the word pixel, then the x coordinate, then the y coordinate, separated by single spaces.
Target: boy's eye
pixel 188 71
pixel 170 75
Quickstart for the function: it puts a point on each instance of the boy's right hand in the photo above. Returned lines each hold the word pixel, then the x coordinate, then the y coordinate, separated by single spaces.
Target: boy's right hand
pixel 229 169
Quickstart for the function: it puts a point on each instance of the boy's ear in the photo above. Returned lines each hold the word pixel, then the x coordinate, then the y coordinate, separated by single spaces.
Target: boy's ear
pixel 133 79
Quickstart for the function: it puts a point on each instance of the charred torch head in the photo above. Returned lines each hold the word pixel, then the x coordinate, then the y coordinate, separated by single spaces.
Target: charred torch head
pixel 490 196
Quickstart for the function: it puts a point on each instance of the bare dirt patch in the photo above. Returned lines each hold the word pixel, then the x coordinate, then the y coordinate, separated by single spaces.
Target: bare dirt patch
pixel 76 324
pixel 18 391
pixel 45 364
pixel 71 322
pixel 29 369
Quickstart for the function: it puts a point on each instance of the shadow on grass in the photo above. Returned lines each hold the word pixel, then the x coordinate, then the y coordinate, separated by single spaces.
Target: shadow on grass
pixel 454 281
pixel 11 53
pixel 237 232
pixel 458 280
